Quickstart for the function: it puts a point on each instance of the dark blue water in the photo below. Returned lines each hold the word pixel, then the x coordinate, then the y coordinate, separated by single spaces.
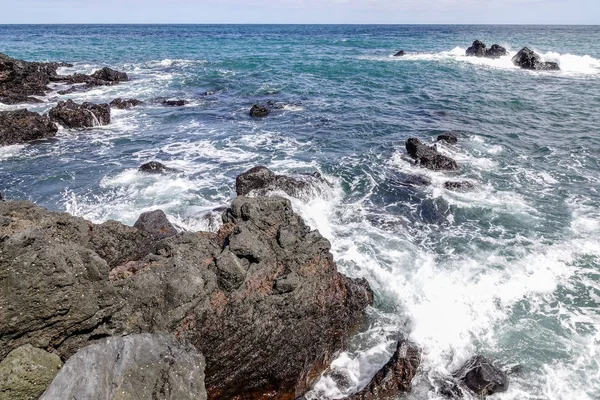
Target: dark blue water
pixel 510 269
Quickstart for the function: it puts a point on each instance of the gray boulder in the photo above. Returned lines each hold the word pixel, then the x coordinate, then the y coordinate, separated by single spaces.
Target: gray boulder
pixel 87 115
pixel 125 104
pixel 261 180
pixel 22 126
pixel 429 157
pixel 156 224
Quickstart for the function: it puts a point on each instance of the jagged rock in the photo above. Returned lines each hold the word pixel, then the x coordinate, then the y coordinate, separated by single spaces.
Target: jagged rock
pixel 400 53
pixel 145 366
pixel 448 137
pixel 459 186
pixel 395 378
pixel 172 102
pixel 125 104
pixel 262 299
pixel 477 49
pixel 429 157
pixel 154 167
pixel 26 372
pixel 528 59
pixel 156 224
pixel 22 126
pixel 261 180
pixel 259 111
pixel 496 51
pixel 110 75
pixel 87 115
pixel 480 376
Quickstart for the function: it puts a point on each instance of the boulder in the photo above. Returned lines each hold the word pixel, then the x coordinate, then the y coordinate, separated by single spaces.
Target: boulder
pixel 481 377
pixel 448 137
pixel 395 378
pixel 262 299
pixel 400 53
pixel 87 115
pixel 429 157
pixel 154 167
pixel 156 224
pixel 528 59
pixel 496 51
pixel 477 49
pixel 261 180
pixel 110 75
pixel 173 102
pixel 22 126
pixel 459 186
pixel 125 104
pixel 144 366
pixel 26 372
pixel 259 111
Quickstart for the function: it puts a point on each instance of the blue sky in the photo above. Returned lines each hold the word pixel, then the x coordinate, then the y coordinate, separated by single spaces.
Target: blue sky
pixel 302 11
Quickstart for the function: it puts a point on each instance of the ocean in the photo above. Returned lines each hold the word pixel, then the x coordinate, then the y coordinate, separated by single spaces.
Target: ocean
pixel 510 269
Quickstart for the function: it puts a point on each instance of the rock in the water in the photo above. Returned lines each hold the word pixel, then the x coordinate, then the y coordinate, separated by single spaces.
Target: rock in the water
pixel 26 372
pixel 87 115
pixel 429 157
pixel 415 180
pixel 22 126
pixel 448 137
pixel 459 186
pixel 477 49
pixel 145 366
pixel 479 375
pixel 395 378
pixel 496 51
pixel 110 75
pixel 154 167
pixel 400 53
pixel 528 59
pixel 259 111
pixel 173 102
pixel 261 180
pixel 125 104
pixel 156 224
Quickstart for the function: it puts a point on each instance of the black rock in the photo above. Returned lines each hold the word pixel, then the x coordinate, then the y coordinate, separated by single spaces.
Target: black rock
pixel 479 375
pixel 87 115
pixel 400 53
pixel 528 59
pixel 156 224
pixel 477 49
pixel 259 111
pixel 154 167
pixel 496 51
pixel 415 180
pixel 261 180
pixel 462 186
pixel 174 103
pixel 448 137
pixel 125 104
pixel 429 157
pixel 110 75
pixel 22 126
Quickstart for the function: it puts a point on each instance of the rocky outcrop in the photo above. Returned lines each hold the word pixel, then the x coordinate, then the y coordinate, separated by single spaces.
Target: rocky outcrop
pixel 156 224
pixel 109 75
pixel 259 111
pixel 22 126
pixel 459 186
pixel 479 49
pixel 447 137
pixel 87 115
pixel 496 51
pixel 481 377
pixel 261 299
pixel 395 378
pixel 145 366
pixel 154 167
pixel 26 372
pixel 429 157
pixel 125 104
pixel 261 180
pixel 528 59
pixel 400 53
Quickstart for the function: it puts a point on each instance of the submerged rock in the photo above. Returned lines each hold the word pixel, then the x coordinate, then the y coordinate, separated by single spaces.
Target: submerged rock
pixel 528 59
pixel 259 111
pixel 414 180
pixel 154 167
pixel 125 104
pixel 156 224
pixel 261 180
pixel 110 75
pixel 479 49
pixel 146 366
pixel 448 137
pixel 400 53
pixel 87 115
pixel 22 126
pixel 459 186
pixel 172 102
pixel 395 378
pixel 26 372
pixel 480 376
pixel 429 157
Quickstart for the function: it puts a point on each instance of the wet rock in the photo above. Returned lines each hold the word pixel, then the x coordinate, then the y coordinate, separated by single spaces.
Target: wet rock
pixel 172 102
pixel 450 388
pixel 528 59
pixel 400 53
pixel 156 224
pixel 496 51
pixel 448 137
pixel 459 186
pixel 395 378
pixel 429 157
pixel 110 75
pixel 261 180
pixel 125 104
pixel 21 126
pixel 154 167
pixel 87 115
pixel 26 372
pixel 477 49
pixel 145 366
pixel 480 376
pixel 415 180
pixel 259 111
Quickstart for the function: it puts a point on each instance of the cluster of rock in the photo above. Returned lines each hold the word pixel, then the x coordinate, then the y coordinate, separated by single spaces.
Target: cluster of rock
pixel 525 58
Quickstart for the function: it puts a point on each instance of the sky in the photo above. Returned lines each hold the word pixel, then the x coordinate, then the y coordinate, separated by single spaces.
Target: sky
pixel 302 11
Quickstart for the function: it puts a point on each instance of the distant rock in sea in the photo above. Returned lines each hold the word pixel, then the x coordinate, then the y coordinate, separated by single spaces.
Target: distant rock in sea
pixel 528 59
pixel 479 49
pixel 87 115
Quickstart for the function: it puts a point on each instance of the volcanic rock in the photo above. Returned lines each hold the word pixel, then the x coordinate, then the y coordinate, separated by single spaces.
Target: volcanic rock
pixel 496 51
pixel 395 378
pixel 261 180
pixel 172 102
pixel 110 75
pixel 448 137
pixel 477 49
pixel 154 167
pixel 479 375
pixel 259 111
pixel 156 224
pixel 461 186
pixel 125 104
pixel 429 157
pixel 145 366
pixel 22 126
pixel 528 59
pixel 87 115
pixel 400 53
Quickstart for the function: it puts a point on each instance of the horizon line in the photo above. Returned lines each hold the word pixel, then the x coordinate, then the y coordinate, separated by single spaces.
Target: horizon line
pixel 291 24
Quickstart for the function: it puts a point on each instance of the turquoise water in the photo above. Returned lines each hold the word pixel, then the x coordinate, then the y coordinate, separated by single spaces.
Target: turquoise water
pixel 510 270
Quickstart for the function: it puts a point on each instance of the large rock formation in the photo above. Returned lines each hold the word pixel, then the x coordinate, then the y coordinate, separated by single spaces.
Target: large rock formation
pixel 261 299
pixel 261 180
pixel 146 366
pixel 429 157
pixel 22 126
pixel 528 59
pixel 87 115
pixel 479 49
pixel 26 372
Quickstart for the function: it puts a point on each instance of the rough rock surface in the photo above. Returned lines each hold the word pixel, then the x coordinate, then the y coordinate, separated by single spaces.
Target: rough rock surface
pixel 479 49
pixel 110 75
pixel 125 104
pixel 259 111
pixel 496 51
pixel 172 102
pixel 528 59
pixel 72 115
pixel 154 167
pixel 22 126
pixel 479 375
pixel 395 378
pixel 459 186
pixel 145 366
pixel 26 372
pixel 448 137
pixel 156 224
pixel 429 157
pixel 261 299
pixel 261 180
